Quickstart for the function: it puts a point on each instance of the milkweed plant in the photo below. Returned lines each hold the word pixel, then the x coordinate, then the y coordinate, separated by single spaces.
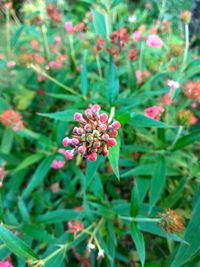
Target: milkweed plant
pixel 100 134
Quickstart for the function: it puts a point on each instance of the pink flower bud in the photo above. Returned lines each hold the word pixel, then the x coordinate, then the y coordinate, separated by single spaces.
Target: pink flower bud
pixel 80 131
pixel 103 117
pixel 113 133
pixel 88 127
pixel 75 141
pixel 57 164
pixel 95 108
pixel 105 151
pixel 92 156
pixel 111 142
pixel 96 144
pixel 116 125
pixel 78 117
pixel 82 149
pixel 105 137
pixel 66 141
pixel 88 113
pixel 69 154
pixel 102 127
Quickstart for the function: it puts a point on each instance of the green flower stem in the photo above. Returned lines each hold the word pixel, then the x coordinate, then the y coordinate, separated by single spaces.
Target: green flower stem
pixel 45 42
pixel 108 19
pixel 99 66
pixel 112 114
pixel 187 43
pixel 65 246
pixel 139 219
pixel 93 235
pixel 7 11
pixel 71 44
pixel 42 72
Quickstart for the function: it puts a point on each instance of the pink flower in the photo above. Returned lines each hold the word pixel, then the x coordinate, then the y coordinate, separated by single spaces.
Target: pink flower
pixel 92 157
pixel 136 36
pixel 55 188
pixel 138 74
pixel 35 45
pixel 95 134
pixel 41 78
pixel 57 164
pixel 154 41
pixel 69 27
pixel 154 112
pixel 11 64
pixel 74 227
pixel 5 264
pixel 55 64
pixel 69 154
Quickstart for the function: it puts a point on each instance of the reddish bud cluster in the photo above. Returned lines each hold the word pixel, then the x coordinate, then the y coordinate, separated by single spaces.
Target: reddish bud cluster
pixel 171 221
pixel 192 90
pixel 74 227
pixel 186 117
pixel 94 135
pixel 132 54
pixel 53 13
pixel 120 37
pixel 11 118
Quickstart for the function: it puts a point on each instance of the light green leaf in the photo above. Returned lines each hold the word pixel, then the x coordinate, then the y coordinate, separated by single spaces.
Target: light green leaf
pixel 157 181
pixel 99 23
pixel 139 120
pixel 192 234
pixel 32 159
pixel 187 140
pixel 67 115
pixel 84 78
pixel 57 216
pixel 113 82
pixel 114 157
pixel 16 245
pixel 38 177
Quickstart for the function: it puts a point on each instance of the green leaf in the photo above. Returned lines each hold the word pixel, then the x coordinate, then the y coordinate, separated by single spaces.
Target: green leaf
pixel 37 233
pixel 84 78
pixel 32 159
pixel 99 23
pixel 38 177
pixel 135 232
pixel 138 239
pixel 192 234
pixel 67 115
pixel 91 169
pixel 187 140
pixel 57 216
pixel 7 141
pixel 16 245
pixel 113 82
pixel 157 181
pixel 114 157
pixel 139 120
pixel 17 35
pixel 115 3
pixel 3 105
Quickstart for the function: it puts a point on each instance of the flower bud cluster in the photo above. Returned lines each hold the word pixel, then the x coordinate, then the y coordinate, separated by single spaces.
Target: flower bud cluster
pixel 11 118
pixel 192 90
pixel 95 134
pixel 171 221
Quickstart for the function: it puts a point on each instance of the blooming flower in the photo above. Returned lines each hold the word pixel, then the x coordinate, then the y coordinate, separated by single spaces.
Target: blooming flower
pixel 132 19
pixel 90 246
pixel 5 264
pixel 74 227
pixel 120 37
pixel 173 84
pixel 11 64
pixel 137 36
pixel 154 41
pixel 186 117
pixel 192 90
pixel 100 254
pixel 57 164
pixel 11 118
pixel 154 112
pixel 94 135
pixel 69 27
pixel 55 188
pixel 171 221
